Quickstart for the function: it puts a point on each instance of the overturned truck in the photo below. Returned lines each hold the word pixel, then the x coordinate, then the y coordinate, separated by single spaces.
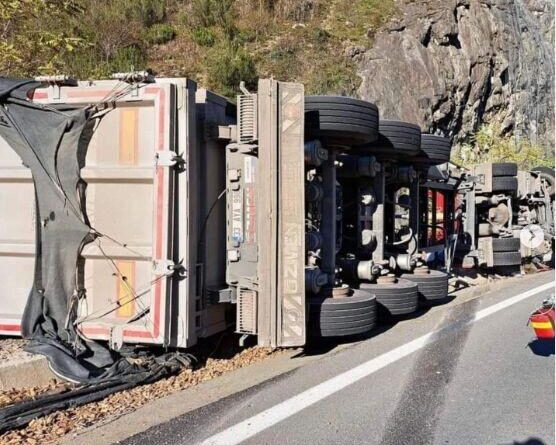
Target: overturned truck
pixel 172 214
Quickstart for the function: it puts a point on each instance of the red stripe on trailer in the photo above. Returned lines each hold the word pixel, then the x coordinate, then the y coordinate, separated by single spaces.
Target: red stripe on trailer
pixel 140 334
pixel 159 210
pixel 42 95
pixel 92 330
pixel 39 95
pixel 10 327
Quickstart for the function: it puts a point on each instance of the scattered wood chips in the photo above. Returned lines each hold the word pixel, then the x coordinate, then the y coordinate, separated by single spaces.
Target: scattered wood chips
pixel 10 347
pixel 14 395
pixel 51 428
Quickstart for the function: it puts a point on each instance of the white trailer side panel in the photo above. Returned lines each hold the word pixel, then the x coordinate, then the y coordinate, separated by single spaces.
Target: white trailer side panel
pixel 128 200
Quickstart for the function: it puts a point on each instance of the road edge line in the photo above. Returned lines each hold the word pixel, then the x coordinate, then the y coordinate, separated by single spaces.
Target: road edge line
pixel 259 422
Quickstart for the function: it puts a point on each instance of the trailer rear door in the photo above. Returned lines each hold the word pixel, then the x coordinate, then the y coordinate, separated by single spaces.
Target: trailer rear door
pixel 130 177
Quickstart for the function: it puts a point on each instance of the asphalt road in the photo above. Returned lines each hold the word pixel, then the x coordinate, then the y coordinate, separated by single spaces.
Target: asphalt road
pixel 486 382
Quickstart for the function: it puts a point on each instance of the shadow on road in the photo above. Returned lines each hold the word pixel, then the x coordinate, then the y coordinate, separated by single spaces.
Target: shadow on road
pixel 320 346
pixel 544 348
pixel 530 441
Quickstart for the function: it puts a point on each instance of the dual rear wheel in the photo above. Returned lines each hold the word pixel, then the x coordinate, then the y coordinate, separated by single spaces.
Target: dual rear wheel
pixel 354 124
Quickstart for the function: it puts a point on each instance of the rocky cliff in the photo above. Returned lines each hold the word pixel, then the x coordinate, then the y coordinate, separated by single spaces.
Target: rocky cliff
pixel 451 65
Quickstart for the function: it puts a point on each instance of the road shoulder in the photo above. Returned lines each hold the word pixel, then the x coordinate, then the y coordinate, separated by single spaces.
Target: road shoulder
pixel 181 403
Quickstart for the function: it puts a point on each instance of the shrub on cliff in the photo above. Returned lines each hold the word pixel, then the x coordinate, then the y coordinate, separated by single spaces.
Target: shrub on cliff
pixel 490 145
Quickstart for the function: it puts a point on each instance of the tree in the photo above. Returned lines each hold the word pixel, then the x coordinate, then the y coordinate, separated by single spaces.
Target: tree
pixel 34 35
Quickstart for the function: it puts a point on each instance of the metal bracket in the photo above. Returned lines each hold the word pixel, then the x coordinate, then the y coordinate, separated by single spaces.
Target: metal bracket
pixel 61 80
pixel 134 77
pixel 163 267
pixel 213 131
pixel 243 340
pixel 57 82
pixel 234 255
pixel 225 295
pixel 168 159
pixel 243 148
pixel 116 340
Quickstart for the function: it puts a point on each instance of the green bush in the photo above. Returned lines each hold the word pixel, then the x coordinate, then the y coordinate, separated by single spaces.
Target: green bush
pixel 86 64
pixel 129 58
pixel 207 13
pixel 160 33
pixel 320 35
pixel 488 144
pixel 203 36
pixel 228 67
pixel 201 14
pixel 148 12
pixel 352 19
pixel 332 76
pixel 35 37
pixel 219 42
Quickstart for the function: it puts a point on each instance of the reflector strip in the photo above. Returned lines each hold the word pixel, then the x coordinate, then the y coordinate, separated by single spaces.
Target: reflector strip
pixel 125 285
pixel 128 136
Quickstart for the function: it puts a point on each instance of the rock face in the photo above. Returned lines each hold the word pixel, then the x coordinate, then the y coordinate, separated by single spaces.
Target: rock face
pixel 452 65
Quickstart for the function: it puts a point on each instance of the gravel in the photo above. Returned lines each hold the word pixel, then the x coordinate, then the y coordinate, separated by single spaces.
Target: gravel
pixel 10 347
pixel 51 428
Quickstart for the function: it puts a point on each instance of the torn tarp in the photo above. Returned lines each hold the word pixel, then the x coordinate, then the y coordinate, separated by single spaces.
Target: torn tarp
pixel 52 141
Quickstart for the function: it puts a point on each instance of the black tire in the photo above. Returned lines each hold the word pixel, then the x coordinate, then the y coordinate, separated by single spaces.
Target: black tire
pixel 548 174
pixel 335 317
pixel 435 150
pixel 395 139
pixel 398 298
pixel 506 244
pixel 338 120
pixel 338 332
pixel 504 169
pixel 506 258
pixel 433 286
pixel 504 184
pixel 435 173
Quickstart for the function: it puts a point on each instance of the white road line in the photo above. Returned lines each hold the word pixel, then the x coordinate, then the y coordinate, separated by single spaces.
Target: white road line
pixel 265 419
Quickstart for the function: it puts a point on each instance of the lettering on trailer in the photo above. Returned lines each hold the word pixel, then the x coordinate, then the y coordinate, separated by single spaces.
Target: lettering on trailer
pixel 292 215
pixel 250 165
pixel 237 216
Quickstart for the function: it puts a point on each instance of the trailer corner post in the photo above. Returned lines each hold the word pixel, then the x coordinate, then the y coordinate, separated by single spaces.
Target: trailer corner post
pixel 281 221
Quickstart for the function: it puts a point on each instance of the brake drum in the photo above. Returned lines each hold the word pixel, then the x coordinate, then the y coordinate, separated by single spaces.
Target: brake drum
pixel 499 215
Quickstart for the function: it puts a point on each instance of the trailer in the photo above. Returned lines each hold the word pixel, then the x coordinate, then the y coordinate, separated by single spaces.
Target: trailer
pixel 287 216
pixel 153 166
